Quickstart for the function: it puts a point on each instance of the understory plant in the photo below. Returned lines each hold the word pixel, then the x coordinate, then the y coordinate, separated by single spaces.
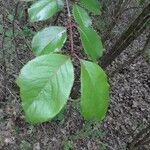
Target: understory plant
pixel 46 81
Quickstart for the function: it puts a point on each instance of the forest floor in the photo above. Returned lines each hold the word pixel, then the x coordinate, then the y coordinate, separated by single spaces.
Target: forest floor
pixel 129 109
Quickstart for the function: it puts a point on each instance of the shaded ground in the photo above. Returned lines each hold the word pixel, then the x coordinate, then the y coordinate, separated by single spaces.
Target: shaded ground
pixel 128 113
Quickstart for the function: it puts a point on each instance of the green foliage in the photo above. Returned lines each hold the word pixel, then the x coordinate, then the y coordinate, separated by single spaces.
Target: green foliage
pixel 45 84
pixel 42 10
pixel 93 104
pixel 81 16
pixel 52 39
pixel 90 39
pixel 46 81
pixel 91 42
pixel 91 5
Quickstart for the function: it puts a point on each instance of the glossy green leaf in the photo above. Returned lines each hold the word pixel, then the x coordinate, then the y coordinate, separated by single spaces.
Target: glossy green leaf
pixel 44 9
pixel 94 91
pixel 81 16
pixel 45 84
pixel 91 5
pixel 91 43
pixel 49 40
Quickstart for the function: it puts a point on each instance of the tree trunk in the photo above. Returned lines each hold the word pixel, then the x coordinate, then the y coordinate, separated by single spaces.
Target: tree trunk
pixel 117 12
pixel 127 37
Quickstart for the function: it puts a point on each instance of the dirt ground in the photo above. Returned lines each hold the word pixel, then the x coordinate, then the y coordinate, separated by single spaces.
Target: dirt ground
pixel 129 109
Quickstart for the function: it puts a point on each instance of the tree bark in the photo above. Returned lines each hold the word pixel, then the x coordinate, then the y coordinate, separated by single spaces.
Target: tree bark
pixel 132 59
pixel 127 37
pixel 117 12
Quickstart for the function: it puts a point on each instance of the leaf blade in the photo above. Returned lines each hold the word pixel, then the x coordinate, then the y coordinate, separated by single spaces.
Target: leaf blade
pixel 91 42
pixel 81 16
pixel 94 91
pixel 91 5
pixel 50 39
pixel 42 10
pixel 45 84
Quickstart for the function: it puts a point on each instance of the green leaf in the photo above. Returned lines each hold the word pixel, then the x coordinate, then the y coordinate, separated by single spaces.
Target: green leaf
pixel 45 85
pixel 91 43
pixel 81 16
pixel 94 91
pixel 49 40
pixel 44 9
pixel 91 5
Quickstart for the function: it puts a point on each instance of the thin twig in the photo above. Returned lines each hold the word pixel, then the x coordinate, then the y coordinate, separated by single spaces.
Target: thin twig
pixel 4 57
pixel 13 29
pixel 70 26
pixel 68 9
pixel 18 27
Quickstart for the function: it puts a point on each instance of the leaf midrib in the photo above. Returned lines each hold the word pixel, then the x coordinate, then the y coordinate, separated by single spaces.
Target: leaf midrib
pixel 81 17
pixel 44 5
pixel 79 14
pixel 55 72
pixel 87 40
pixel 53 39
